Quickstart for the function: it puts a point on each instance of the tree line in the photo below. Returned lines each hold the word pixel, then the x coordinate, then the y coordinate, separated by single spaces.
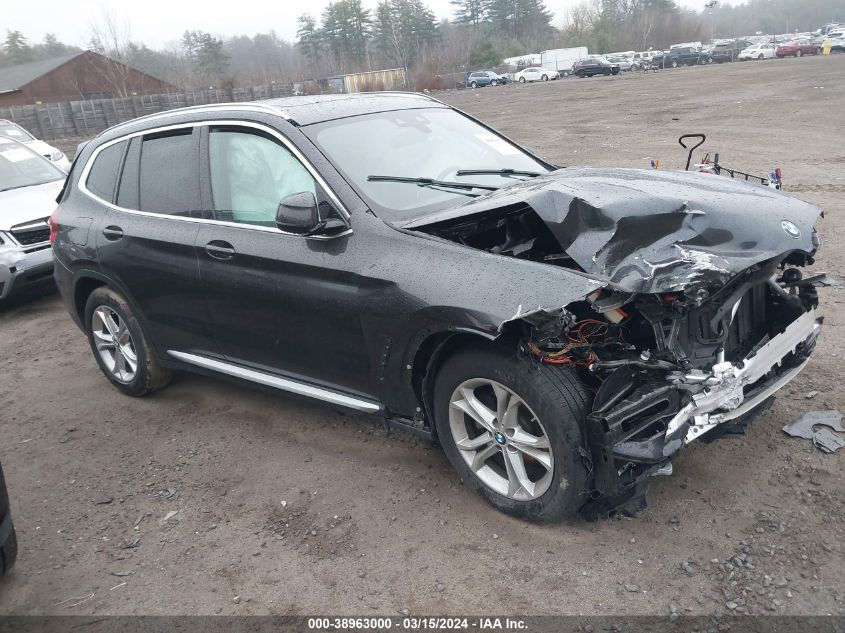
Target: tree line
pixel 348 37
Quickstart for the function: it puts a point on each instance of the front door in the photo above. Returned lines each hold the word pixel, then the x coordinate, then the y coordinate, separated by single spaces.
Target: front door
pixel 280 303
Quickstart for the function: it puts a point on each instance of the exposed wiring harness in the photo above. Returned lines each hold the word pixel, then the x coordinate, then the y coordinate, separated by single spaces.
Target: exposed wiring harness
pixel 575 351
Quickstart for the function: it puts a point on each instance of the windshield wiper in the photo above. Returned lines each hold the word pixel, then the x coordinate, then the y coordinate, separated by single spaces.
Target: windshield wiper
pixel 430 182
pixel 497 172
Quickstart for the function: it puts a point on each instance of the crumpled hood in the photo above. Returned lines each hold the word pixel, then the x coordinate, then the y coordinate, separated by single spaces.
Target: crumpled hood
pixel 27 204
pixel 658 231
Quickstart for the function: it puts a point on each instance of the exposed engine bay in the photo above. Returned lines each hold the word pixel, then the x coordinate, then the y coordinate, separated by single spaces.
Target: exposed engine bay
pixel 695 330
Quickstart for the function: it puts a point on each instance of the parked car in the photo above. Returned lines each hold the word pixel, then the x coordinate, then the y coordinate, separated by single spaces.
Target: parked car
pixel 481 78
pixel 594 66
pixel 728 51
pixel 389 254
pixel 681 56
pixel 8 538
pixel 763 50
pixel 837 41
pixel 29 184
pixel 642 59
pixel 624 63
pixel 797 48
pixel 16 132
pixel 536 74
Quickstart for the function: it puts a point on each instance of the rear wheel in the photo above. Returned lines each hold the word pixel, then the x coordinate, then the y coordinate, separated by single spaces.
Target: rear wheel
pixel 544 78
pixel 605 72
pixel 495 82
pixel 473 84
pixel 798 53
pixel 513 431
pixel 674 64
pixel 522 80
pixel 119 345
pixel 581 74
pixel 760 56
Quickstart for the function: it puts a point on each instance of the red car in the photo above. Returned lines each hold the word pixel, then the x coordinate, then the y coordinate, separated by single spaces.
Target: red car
pixel 797 48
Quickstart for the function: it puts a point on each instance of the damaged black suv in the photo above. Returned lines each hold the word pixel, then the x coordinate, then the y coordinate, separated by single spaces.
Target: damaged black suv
pixel 561 332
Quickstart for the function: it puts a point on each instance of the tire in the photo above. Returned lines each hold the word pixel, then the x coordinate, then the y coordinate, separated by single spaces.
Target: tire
pixel 581 74
pixel 798 53
pixel 115 357
pixel 605 72
pixel 551 395
pixel 760 56
pixel 8 548
pixel 495 82
pixel 674 64
pixel 473 84
pixel 522 80
pixel 544 78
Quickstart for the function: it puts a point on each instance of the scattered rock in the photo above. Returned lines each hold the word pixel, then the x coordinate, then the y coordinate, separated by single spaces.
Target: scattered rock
pixel 405 612
pixel 104 500
pixel 632 588
pixel 236 599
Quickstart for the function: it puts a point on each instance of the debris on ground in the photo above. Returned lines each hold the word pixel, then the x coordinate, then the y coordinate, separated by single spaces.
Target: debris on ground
pixel 825 439
pixel 104 500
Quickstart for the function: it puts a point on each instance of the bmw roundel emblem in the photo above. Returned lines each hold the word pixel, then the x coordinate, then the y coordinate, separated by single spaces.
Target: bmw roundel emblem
pixel 790 229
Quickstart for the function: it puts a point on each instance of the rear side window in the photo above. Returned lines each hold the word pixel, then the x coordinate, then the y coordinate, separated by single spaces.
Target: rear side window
pixel 169 173
pixel 103 175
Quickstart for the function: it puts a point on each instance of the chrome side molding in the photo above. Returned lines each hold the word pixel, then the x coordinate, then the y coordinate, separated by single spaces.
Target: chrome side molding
pixel 285 384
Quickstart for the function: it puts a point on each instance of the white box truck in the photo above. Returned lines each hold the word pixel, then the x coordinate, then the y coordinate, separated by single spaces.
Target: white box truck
pixel 561 59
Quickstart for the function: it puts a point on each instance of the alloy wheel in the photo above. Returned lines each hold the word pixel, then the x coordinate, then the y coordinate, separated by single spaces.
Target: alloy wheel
pixel 501 439
pixel 114 344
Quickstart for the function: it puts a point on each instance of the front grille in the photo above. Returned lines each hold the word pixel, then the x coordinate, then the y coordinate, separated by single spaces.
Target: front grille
pixel 30 233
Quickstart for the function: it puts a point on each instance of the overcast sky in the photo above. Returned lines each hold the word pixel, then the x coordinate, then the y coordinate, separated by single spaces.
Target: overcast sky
pixel 159 22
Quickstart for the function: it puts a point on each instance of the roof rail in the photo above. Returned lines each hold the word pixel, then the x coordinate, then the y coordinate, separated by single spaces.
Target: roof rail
pixel 234 105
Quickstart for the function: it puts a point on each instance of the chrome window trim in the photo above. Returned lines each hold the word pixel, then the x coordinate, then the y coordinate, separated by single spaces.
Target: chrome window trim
pixel 284 384
pixel 83 177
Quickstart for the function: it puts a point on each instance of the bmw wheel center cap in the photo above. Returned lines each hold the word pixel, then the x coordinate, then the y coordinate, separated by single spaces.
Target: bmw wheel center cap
pixel 500 438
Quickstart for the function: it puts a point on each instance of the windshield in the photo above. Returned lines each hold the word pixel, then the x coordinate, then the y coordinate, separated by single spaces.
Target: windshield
pixel 431 143
pixel 21 167
pixel 10 130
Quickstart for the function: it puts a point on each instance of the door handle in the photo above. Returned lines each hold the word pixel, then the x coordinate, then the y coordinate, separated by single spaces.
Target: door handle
pixel 112 233
pixel 218 249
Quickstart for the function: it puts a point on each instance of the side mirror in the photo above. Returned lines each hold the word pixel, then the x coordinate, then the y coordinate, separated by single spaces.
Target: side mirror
pixel 297 213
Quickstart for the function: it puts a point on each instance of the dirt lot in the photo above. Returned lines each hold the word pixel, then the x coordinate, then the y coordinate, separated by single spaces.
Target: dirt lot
pixel 286 507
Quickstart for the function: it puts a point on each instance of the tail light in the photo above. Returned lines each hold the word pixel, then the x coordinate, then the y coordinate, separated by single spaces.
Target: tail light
pixel 54 225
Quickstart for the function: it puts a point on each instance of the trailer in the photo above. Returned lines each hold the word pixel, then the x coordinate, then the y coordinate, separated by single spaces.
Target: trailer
pixel 561 59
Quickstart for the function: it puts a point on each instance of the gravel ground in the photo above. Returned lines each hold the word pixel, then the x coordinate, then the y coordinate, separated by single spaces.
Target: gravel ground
pixel 212 498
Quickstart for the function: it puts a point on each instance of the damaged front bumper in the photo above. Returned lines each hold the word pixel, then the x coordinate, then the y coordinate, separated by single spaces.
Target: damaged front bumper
pixel 644 418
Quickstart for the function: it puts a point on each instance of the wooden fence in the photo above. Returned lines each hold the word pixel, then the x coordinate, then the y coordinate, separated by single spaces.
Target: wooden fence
pixel 64 119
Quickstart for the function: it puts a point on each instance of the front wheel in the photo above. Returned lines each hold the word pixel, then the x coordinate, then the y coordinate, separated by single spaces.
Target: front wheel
pixel 544 78
pixel 120 346
pixel 473 85
pixel 674 64
pixel 514 431
pixel 798 54
pixel 495 82
pixel 581 74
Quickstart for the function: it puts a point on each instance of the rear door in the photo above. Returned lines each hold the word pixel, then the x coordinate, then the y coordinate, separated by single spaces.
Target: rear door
pixel 147 244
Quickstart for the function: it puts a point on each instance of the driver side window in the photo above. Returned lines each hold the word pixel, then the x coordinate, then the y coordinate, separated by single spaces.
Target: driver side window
pixel 251 172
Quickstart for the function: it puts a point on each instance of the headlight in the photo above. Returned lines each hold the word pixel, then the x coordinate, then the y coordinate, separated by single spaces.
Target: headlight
pixel 57 155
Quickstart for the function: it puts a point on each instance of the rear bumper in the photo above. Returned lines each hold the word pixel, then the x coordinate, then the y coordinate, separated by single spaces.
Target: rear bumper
pixel 636 438
pixel 19 268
